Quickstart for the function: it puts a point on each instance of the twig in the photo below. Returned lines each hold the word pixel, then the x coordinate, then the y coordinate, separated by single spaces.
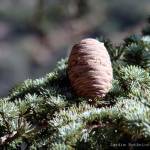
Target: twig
pixel 8 138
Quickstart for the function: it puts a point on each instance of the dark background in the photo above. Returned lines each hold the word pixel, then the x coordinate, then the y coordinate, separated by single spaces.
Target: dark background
pixel 35 34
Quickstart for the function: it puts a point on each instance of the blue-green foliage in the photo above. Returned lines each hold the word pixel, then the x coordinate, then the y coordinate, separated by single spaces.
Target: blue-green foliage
pixel 46 113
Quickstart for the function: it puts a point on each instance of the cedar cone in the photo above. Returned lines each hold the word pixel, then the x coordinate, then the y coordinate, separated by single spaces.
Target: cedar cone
pixel 89 69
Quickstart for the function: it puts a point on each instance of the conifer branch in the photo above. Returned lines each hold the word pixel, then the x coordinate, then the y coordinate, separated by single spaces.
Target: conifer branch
pixel 46 114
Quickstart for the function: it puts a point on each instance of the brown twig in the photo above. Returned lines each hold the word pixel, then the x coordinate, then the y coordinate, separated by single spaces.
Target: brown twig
pixel 8 138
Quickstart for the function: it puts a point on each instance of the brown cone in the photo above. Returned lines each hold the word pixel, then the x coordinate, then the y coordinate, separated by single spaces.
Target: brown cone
pixel 89 69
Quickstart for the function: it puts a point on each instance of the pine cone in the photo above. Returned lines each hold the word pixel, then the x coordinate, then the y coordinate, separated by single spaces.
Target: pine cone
pixel 89 69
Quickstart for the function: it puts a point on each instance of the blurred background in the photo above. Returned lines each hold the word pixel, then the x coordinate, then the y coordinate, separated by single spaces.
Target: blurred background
pixel 35 34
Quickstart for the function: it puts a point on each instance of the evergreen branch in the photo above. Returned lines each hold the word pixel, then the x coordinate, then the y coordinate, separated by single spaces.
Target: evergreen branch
pixel 46 114
pixel 6 124
pixel 37 85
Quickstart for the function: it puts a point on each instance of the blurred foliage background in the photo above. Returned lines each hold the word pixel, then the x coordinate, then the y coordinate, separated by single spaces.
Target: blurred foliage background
pixel 34 34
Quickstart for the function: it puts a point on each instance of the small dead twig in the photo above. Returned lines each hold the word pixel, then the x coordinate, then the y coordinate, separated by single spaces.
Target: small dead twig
pixel 8 138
